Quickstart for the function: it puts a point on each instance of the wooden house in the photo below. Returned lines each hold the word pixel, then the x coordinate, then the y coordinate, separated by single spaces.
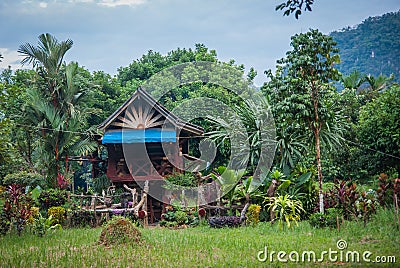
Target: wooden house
pixel 137 122
pixel 145 141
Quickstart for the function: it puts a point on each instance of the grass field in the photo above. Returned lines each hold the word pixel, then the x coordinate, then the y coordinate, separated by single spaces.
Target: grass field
pixel 206 247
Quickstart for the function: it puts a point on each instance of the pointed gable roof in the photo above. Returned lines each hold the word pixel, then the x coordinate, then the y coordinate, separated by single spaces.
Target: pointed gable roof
pixel 143 95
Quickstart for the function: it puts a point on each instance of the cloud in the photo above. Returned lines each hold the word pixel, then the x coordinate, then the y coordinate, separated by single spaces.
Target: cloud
pixel 43 4
pixel 10 58
pixel 114 3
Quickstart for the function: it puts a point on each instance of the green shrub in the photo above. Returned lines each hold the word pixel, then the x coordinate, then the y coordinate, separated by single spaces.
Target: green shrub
pixel 317 220
pixel 181 217
pixel 58 214
pixel 253 214
pixel 5 223
pixel 171 224
pixel 24 178
pixel 52 198
pixel 42 225
pixel 180 179
pixel 329 219
pixel 119 230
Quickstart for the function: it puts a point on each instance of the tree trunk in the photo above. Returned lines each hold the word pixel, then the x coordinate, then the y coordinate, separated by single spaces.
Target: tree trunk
pixel 319 167
pixel 316 127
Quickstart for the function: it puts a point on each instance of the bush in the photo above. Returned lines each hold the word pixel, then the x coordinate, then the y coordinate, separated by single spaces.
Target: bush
pixel 58 214
pixel 25 178
pixel 5 223
pixel 366 205
pixel 43 225
pixel 329 219
pixel 317 220
pixel 286 209
pixel 119 230
pixel 52 198
pixel 177 216
pixel 180 179
pixel 253 214
pixel 81 218
pixel 16 209
pixel 181 217
pixel 343 196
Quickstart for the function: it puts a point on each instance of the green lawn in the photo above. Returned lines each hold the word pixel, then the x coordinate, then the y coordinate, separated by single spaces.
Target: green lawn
pixel 203 246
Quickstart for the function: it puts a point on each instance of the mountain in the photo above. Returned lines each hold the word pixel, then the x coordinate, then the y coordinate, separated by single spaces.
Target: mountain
pixel 372 47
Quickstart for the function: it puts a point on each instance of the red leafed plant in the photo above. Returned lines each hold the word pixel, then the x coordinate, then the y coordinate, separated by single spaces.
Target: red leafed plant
pixel 16 209
pixel 62 182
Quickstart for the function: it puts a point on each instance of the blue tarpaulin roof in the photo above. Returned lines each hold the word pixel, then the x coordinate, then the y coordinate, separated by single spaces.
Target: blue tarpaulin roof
pixel 139 136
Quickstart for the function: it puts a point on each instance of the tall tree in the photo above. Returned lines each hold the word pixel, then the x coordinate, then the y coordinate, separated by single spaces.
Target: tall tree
pixel 303 90
pixel 378 132
pixel 55 104
pixel 47 57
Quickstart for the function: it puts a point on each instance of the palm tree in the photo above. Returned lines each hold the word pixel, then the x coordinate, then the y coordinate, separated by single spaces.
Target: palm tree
pixel 354 80
pixel 57 109
pixel 47 57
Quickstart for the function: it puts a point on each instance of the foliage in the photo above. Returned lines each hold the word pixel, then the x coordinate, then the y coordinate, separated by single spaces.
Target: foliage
pixel 52 198
pixel 295 6
pixel 101 183
pixel 329 219
pixel 247 190
pixel 366 205
pixel 42 225
pixel 224 221
pixel 34 214
pixel 119 230
pixel 385 190
pixel 177 180
pixel 303 188
pixel 286 209
pixel 5 223
pixel 153 62
pixel 24 178
pixel 8 154
pixel 181 217
pixel 81 218
pixel 249 121
pixel 16 133
pixel 16 209
pixel 57 214
pixel 343 196
pixel 378 132
pixel 175 217
pixel 304 100
pixel 228 179
pixel 253 214
pixel 54 105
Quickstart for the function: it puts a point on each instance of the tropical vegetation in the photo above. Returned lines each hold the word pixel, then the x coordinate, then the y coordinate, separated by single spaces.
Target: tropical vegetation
pixel 333 171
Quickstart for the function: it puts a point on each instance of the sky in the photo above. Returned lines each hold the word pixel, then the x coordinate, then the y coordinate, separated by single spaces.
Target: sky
pixel 109 34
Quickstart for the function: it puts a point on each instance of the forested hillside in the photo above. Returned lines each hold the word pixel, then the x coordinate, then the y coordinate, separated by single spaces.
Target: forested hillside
pixel 372 47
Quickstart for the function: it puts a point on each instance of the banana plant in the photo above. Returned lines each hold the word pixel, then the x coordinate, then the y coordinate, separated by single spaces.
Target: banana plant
pixel 43 225
pixel 228 179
